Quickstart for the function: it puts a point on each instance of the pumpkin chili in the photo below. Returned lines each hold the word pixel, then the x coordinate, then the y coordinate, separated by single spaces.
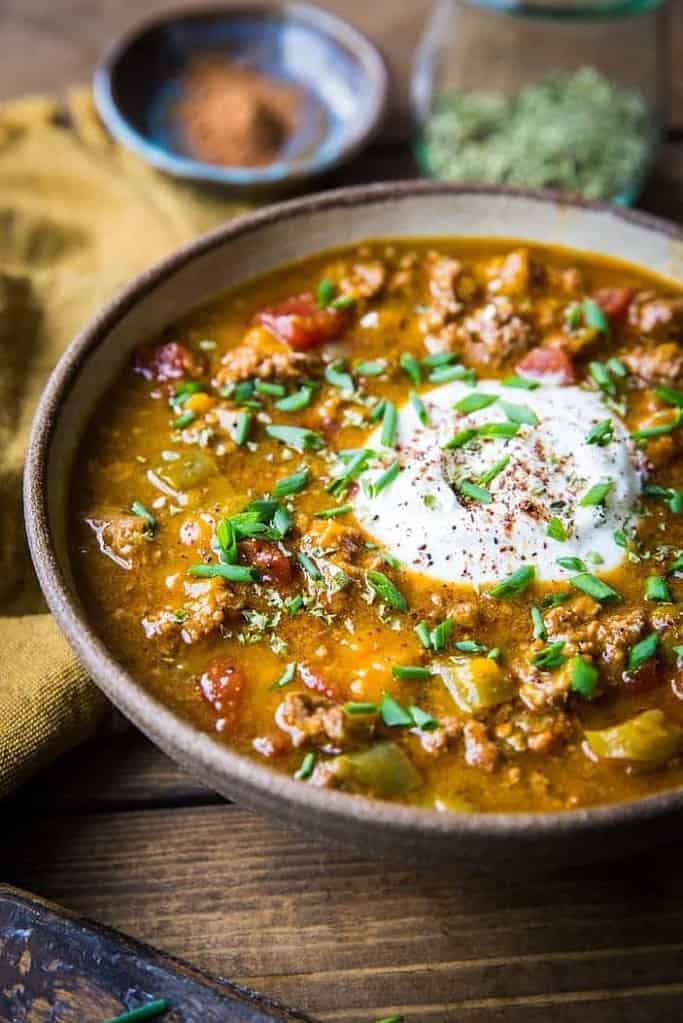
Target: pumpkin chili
pixel 406 519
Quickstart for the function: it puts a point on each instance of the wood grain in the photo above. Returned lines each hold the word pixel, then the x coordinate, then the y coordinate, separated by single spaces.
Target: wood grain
pixel 350 939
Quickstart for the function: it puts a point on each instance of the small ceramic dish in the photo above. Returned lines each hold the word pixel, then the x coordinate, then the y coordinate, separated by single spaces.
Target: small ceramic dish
pixel 235 252
pixel 341 78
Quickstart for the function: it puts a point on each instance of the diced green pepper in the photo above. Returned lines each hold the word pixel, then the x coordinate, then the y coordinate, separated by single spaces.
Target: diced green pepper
pixel 383 770
pixel 189 471
pixel 475 683
pixel 648 739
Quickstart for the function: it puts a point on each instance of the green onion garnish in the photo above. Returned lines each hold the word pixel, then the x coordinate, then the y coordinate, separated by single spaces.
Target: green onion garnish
pixel 411 672
pixel 227 542
pixel 642 652
pixel 440 634
pixel 572 564
pixel 602 433
pixel 411 366
pixel 183 392
pixel 556 530
pixel 550 656
pixel 343 302
pixel 337 375
pixel 648 432
pixel 474 492
pixel 670 396
pixel 594 587
pixel 369 368
pixel 583 677
pixel 387 591
pixel 152 523
pixel 393 714
pixel 594 316
pixel 420 408
pixel 185 420
pixel 422 720
pixel 498 430
pixel 524 383
pixel 242 428
pixel 495 470
pixel 597 494
pixel 540 631
pixel 296 437
pixel 383 480
pixel 616 367
pixel 657 590
pixel 357 464
pixel 149 1011
pixel 292 484
pixel 515 583
pixel 439 359
pixel 309 566
pixel 519 413
pixel 469 646
pixel 676 565
pixel 274 390
pixel 377 411
pixel 423 634
pixel 307 768
pixel 353 708
pixel 325 292
pixel 233 573
pixel 287 676
pixel 602 378
pixel 444 374
pixel 297 400
pixel 462 438
pixel 474 402
pixel 389 424
pixel 334 513
pixel 555 599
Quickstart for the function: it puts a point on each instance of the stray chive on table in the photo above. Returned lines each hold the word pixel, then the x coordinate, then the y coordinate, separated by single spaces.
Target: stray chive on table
pixel 118 833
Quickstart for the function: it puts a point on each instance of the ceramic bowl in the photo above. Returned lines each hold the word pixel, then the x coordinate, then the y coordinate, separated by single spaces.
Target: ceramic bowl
pixel 341 75
pixel 253 245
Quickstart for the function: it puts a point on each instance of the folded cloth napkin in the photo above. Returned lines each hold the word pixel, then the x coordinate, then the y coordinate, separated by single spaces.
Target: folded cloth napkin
pixel 78 216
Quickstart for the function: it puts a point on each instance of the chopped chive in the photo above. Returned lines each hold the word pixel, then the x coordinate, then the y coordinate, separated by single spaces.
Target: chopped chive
pixel 411 366
pixel 439 359
pixel 620 538
pixel 352 708
pixel 616 367
pixel 597 494
pixel 282 522
pixel 556 599
pixel 594 587
pixel 594 316
pixel 377 411
pixel 602 433
pixel 227 542
pixel 297 400
pixel 387 591
pixel 423 634
pixel 556 530
pixel 420 408
pixel 474 402
pixel 444 374
pixel 151 522
pixel 389 424
pixel 266 387
pixel 422 720
pixel 292 484
pixel 676 566
pixel 602 378
pixel 550 656
pixel 369 368
pixel 185 391
pixel 648 432
pixel 583 677
pixel 325 292
pixel 309 566
pixel 670 396
pixel 515 583
pixel 287 676
pixel 495 470
pixel 185 420
pixel 469 646
pixel 294 604
pixel 393 714
pixel 350 472
pixel 678 650
pixel 498 429
pixel 411 672
pixel 540 631
pixel 523 383
pixel 462 438
pixel 334 513
pixel 296 437
pixel 307 768
pixel 657 590
pixel 242 428
pixel 149 1011
pixel 233 573
pixel 338 376
pixel 474 492
pixel 519 413
pixel 440 634
pixel 572 564
pixel 643 651
pixel 343 302
pixel 383 480
pixel 494 653
pixel 573 316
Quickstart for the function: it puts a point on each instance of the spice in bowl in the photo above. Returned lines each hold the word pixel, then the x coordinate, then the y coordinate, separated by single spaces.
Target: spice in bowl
pixel 234 116
pixel 579 132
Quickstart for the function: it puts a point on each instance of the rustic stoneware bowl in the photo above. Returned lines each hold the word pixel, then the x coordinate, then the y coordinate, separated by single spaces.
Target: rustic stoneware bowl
pixel 253 245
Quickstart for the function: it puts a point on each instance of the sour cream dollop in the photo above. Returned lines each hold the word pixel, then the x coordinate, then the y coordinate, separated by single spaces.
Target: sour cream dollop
pixel 424 519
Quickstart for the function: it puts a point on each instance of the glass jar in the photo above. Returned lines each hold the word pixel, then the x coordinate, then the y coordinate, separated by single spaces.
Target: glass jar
pixel 569 94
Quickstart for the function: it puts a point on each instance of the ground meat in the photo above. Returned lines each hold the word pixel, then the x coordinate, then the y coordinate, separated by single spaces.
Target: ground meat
pixel 206 604
pixel 445 303
pixel 442 738
pixel 569 281
pixel 494 334
pixel 332 536
pixel 261 355
pixel 656 317
pixel 123 538
pixel 527 731
pixel 615 635
pixel 310 719
pixel 170 361
pixel 658 364
pixel 480 750
pixel 512 275
pixel 540 689
pixel 363 280
pixel 574 622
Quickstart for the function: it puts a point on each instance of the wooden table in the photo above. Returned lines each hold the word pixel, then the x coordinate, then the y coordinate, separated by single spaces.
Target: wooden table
pixel 117 832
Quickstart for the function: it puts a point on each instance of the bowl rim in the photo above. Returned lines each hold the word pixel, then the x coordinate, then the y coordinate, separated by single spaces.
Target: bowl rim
pixel 202 754
pixel 367 54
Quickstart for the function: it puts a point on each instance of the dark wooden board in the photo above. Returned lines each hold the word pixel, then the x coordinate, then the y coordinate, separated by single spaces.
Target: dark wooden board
pixel 57 966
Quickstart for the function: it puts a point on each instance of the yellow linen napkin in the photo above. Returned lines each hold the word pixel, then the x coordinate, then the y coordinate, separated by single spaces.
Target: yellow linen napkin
pixel 79 215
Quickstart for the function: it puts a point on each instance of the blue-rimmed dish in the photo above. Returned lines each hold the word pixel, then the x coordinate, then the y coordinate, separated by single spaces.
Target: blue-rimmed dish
pixel 341 75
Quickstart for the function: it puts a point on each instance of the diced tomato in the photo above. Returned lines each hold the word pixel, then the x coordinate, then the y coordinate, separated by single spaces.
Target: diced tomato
pixel 274 566
pixel 550 361
pixel 170 361
pixel 302 324
pixel 222 686
pixel 614 302
pixel 319 684
pixel 643 679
